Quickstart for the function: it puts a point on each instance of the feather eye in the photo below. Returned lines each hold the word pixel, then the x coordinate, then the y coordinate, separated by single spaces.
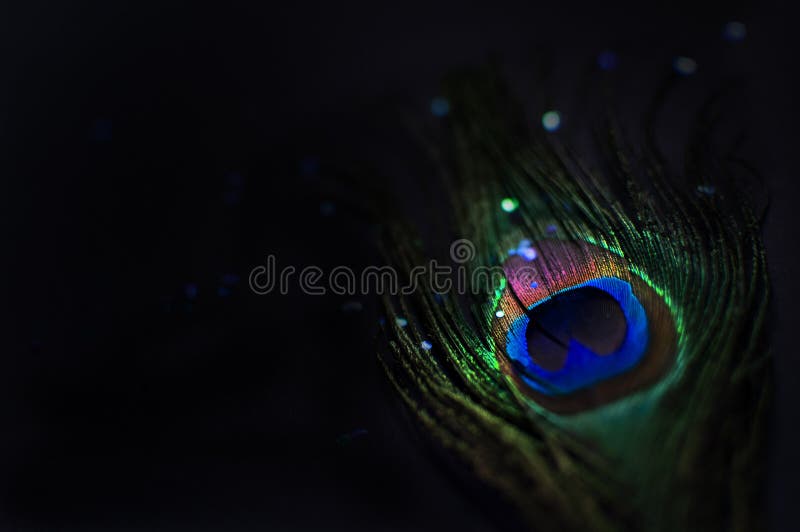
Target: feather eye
pixel 617 376
pixel 578 328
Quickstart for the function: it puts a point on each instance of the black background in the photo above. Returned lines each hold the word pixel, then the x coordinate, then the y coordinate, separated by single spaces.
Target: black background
pixel 148 148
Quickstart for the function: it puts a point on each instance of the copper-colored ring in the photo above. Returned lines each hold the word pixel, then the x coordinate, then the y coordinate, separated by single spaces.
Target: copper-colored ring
pixel 655 361
pixel 662 334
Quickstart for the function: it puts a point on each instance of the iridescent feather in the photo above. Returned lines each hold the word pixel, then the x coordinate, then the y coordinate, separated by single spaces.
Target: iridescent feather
pixel 668 438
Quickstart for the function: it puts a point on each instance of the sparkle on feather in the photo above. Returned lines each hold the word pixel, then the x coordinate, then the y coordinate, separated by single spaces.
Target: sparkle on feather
pixel 526 251
pixel 509 204
pixel 529 254
pixel 551 120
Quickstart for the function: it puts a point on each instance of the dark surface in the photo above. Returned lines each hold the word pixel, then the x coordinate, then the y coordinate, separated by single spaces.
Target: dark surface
pixel 147 152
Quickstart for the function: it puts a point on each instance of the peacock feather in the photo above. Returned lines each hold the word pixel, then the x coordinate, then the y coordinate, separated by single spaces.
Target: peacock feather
pixel 604 367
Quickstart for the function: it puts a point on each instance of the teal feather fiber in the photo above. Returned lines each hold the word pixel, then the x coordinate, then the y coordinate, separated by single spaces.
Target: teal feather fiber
pixel 683 451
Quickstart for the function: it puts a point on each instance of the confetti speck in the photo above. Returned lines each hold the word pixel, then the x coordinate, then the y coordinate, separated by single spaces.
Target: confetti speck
pixel 509 204
pixel 734 31
pixel 685 66
pixel 551 120
pixel 607 60
pixel 440 107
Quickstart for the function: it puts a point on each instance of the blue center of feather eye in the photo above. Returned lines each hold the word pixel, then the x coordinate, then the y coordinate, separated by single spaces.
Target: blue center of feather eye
pixel 583 365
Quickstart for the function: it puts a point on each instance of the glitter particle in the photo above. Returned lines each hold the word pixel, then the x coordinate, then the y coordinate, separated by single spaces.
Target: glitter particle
pixel 509 204
pixel 401 322
pixel 440 107
pixel 426 345
pixel 499 313
pixel 607 60
pixel 551 120
pixel 525 250
pixel 734 31
pixel 529 254
pixel 685 66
